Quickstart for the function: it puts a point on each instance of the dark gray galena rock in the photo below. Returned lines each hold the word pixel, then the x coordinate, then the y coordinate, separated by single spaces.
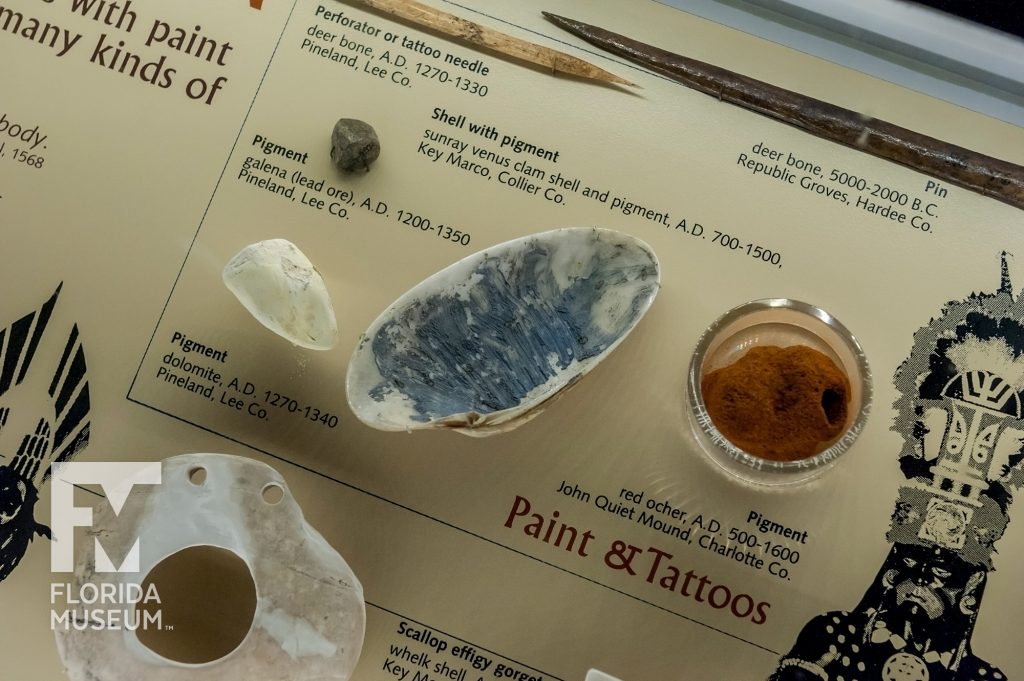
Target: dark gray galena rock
pixel 354 145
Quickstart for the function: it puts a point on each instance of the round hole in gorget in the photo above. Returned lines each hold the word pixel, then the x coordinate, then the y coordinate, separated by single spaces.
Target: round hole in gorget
pixel 273 494
pixel 197 475
pixel 207 600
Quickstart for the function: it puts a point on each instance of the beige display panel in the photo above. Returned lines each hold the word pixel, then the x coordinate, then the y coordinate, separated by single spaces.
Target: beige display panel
pixel 144 192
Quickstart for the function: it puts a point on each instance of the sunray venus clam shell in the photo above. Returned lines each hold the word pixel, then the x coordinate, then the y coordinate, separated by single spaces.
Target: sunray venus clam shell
pixel 482 345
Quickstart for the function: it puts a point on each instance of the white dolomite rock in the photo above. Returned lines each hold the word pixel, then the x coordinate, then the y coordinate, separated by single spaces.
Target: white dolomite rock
pixel 279 286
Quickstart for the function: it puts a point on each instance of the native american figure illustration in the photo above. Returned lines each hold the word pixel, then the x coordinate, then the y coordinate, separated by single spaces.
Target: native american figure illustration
pixel 44 417
pixel 959 412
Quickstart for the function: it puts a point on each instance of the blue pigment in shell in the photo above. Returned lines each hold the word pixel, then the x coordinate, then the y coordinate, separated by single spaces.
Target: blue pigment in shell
pixel 520 318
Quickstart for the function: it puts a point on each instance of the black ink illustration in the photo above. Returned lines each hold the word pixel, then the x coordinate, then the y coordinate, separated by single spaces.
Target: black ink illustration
pixel 44 418
pixel 959 412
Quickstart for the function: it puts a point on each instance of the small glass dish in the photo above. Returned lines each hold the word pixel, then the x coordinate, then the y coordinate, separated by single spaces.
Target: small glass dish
pixel 779 322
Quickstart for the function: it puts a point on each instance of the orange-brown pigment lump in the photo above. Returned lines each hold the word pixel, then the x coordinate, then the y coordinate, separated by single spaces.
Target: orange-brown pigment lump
pixel 778 403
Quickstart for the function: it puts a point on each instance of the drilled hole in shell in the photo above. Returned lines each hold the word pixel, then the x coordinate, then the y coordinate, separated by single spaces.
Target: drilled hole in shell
pixel 207 602
pixel 272 494
pixel 197 476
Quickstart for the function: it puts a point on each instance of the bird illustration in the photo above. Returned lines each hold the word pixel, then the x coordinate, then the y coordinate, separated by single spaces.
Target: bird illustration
pixel 44 418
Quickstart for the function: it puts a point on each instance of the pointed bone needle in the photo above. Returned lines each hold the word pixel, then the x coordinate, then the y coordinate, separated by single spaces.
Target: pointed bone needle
pixel 449 24
pixel 992 177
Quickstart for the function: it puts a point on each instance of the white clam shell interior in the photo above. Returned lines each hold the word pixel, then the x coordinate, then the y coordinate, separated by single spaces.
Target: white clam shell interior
pixel 482 344
pixel 279 286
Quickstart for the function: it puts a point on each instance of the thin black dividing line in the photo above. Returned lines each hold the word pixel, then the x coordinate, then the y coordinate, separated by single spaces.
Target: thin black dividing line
pixel 454 527
pixel 212 196
pixel 462 640
pixel 86 489
pixel 596 53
